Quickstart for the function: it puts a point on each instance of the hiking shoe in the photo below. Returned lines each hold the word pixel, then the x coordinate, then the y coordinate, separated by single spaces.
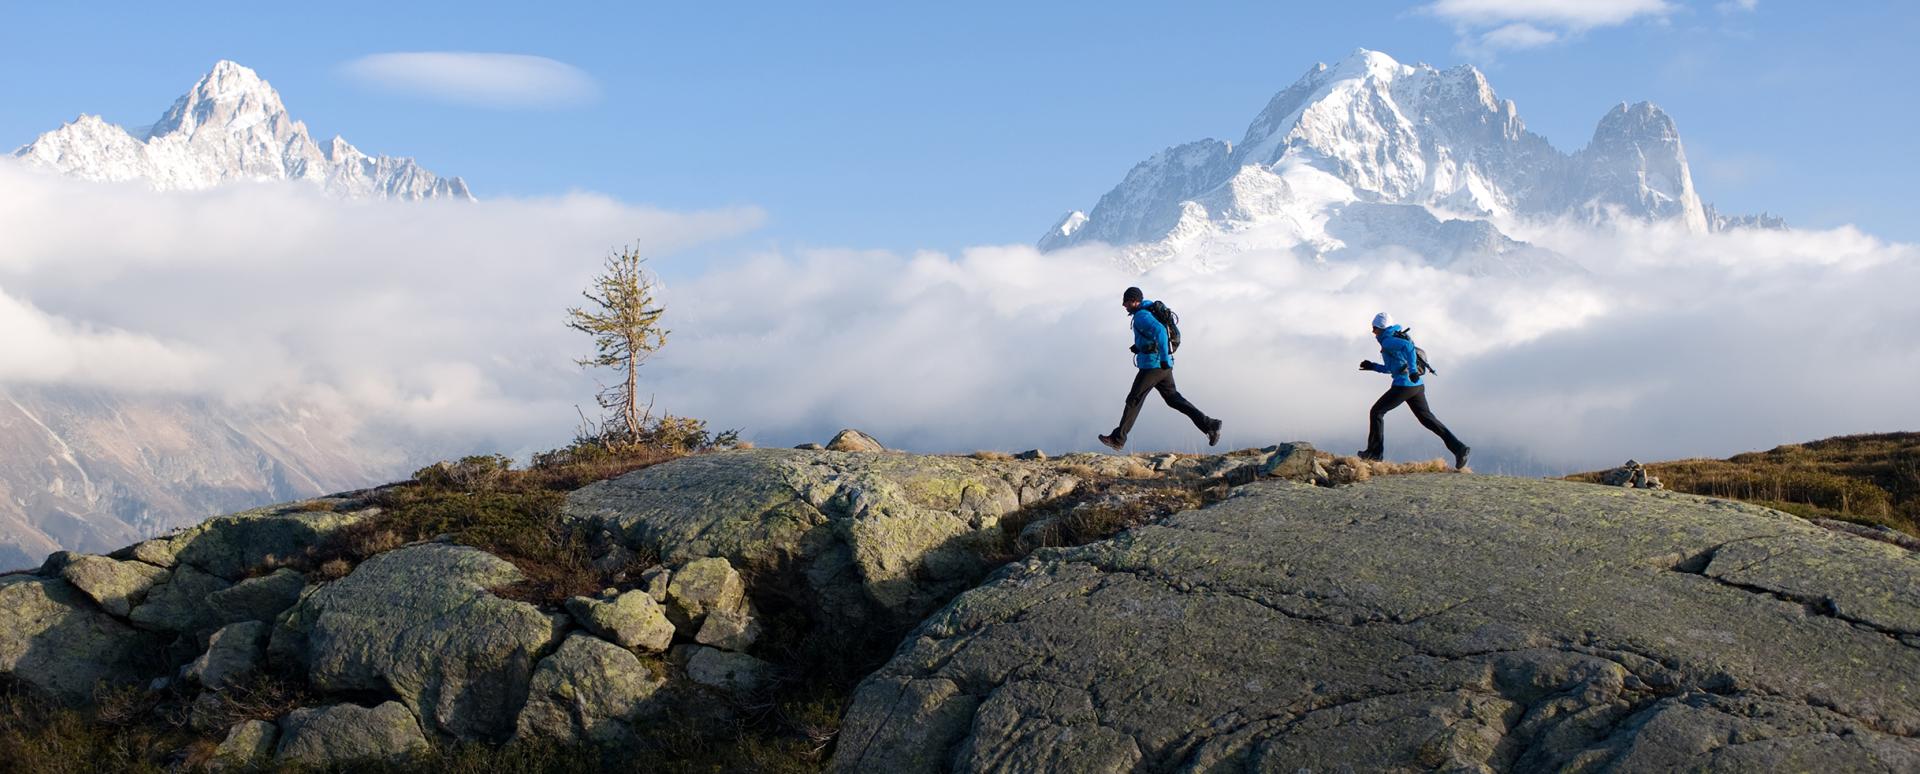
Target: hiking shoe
pixel 1367 456
pixel 1213 436
pixel 1460 459
pixel 1113 443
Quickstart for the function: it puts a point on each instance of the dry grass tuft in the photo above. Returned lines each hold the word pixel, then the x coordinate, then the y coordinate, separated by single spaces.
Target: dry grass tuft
pixel 992 456
pixel 484 502
pixel 1345 469
pixel 1079 471
pixel 125 733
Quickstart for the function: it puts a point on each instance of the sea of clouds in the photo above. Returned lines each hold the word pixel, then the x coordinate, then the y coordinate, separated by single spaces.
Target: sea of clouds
pixel 439 326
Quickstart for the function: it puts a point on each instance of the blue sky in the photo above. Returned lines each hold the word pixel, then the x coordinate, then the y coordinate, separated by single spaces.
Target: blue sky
pixel 912 125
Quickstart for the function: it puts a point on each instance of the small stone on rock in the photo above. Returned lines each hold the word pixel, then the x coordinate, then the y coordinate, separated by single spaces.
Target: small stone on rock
pixel 851 440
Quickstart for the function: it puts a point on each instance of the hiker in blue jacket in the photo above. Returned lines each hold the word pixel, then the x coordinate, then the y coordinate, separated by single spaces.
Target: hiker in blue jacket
pixel 1409 387
pixel 1154 357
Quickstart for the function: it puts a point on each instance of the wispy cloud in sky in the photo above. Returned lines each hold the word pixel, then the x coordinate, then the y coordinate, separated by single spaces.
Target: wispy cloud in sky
pixel 1487 27
pixel 503 81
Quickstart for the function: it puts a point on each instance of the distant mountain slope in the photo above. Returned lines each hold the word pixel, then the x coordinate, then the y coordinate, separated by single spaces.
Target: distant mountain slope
pixel 1314 166
pixel 1866 479
pixel 231 126
pixel 90 470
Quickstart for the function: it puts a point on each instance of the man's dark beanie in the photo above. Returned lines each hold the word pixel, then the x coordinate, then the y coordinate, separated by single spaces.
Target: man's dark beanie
pixel 1132 295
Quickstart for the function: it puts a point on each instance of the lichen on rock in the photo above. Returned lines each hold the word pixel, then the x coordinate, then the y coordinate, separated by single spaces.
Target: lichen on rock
pixel 868 539
pixel 420 623
pixel 588 690
pixel 346 733
pixel 1418 622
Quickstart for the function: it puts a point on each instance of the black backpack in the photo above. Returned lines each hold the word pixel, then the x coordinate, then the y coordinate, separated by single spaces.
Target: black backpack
pixel 1421 366
pixel 1172 321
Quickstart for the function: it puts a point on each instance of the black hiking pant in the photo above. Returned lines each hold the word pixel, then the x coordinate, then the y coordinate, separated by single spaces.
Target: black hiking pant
pixel 1416 398
pixel 1157 380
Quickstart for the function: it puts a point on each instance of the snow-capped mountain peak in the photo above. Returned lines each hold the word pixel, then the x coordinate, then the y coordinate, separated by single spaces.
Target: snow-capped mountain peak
pixel 1372 130
pixel 231 126
pixel 230 97
pixel 1635 166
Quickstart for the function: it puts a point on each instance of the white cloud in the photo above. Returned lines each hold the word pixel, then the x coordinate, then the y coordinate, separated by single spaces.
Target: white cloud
pixel 434 320
pixel 1573 14
pixel 443 321
pixel 1677 345
pixel 1737 6
pixel 43 349
pixel 1518 35
pixel 483 79
pixel 1486 27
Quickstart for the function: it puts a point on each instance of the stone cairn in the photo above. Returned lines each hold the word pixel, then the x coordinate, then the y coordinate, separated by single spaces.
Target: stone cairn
pixel 1632 475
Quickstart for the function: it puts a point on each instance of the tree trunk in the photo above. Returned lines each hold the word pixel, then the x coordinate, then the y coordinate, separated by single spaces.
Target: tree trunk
pixel 633 394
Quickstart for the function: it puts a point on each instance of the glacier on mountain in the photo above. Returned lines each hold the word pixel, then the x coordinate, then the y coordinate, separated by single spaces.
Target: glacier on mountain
pixel 231 126
pixel 1371 154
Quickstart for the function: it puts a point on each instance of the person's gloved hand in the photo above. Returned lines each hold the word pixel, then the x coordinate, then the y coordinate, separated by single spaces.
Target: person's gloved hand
pixel 1366 365
pixel 1134 348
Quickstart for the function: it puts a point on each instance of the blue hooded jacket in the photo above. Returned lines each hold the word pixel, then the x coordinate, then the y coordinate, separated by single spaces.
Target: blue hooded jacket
pixel 1400 359
pixel 1149 340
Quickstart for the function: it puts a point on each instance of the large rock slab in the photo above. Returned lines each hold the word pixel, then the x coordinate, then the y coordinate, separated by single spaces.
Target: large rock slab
pixel 875 540
pixel 54 638
pixel 258 599
pixel 115 584
pixel 347 733
pixel 588 690
pixel 420 624
pixel 180 605
pixel 229 546
pixel 1419 622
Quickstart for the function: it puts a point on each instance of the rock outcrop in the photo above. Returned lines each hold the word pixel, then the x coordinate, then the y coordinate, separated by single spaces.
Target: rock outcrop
pixel 117 586
pixel 347 733
pixel 589 689
pixel 1248 620
pixel 230 546
pixel 257 599
pixel 1419 622
pixel 54 638
pixel 420 624
pixel 873 540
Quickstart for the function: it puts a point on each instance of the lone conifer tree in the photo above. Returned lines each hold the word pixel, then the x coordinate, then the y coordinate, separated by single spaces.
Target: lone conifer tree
pixel 624 321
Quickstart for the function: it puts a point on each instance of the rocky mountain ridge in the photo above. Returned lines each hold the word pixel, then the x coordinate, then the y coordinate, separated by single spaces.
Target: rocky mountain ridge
pixel 231 126
pixel 1438 620
pixel 1316 166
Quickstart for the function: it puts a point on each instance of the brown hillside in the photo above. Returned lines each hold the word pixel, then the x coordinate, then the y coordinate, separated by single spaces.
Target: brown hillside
pixel 1866 479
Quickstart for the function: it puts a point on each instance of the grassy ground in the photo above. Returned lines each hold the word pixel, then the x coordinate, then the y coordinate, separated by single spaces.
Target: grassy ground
pixel 1865 479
